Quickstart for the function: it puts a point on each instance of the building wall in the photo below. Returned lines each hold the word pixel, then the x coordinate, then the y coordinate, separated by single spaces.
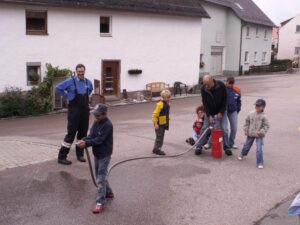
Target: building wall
pixel 233 39
pixel 256 43
pixel 289 39
pixel 213 35
pixel 166 48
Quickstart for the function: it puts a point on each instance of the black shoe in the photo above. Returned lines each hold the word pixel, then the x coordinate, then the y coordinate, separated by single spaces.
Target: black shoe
pixel 81 159
pixel 64 161
pixel 228 152
pixel 160 152
pixel 198 151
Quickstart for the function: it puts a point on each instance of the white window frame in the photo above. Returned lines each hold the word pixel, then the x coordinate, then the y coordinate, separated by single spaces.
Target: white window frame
pixel 266 34
pixel 264 57
pixel 247 32
pixel 109 34
pixel 257 32
pixel 33 64
pixel 255 56
pixel 246 57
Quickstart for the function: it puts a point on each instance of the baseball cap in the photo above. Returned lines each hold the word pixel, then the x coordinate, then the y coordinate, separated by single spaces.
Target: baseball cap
pixel 99 109
pixel 260 102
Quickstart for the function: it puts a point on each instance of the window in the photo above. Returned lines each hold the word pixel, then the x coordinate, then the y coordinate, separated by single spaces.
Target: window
pixel 266 34
pixel 255 56
pixel 36 22
pixel 246 57
pixel 248 32
pixel 33 73
pixel 298 28
pixel 264 57
pixel 297 50
pixel 105 25
pixel 257 32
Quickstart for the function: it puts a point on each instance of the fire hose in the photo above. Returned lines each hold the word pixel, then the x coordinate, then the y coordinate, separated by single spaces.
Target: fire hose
pixel 143 157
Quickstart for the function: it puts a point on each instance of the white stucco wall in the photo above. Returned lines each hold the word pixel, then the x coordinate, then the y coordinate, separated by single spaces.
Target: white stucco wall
pixel 233 39
pixel 214 33
pixel 289 39
pixel 256 43
pixel 166 48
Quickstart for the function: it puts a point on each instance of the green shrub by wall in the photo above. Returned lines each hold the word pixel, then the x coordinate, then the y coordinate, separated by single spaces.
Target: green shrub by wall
pixel 14 102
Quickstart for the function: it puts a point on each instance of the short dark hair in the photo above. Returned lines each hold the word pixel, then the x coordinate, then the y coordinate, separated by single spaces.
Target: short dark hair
pixel 230 80
pixel 80 66
pixel 200 108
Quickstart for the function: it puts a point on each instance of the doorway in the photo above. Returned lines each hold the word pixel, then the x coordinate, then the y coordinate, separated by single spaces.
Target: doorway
pixel 110 78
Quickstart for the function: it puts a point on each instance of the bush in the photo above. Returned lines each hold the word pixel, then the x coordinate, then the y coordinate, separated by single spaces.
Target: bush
pixel 11 102
pixel 36 101
pixel 281 61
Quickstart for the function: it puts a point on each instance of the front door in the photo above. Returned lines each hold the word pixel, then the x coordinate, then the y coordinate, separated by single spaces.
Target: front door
pixel 216 64
pixel 110 78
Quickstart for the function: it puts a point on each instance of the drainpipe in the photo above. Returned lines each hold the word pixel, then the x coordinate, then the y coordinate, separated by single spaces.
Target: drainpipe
pixel 241 44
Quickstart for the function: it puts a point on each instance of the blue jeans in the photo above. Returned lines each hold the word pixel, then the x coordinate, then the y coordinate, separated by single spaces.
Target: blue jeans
pixel 101 169
pixel 223 126
pixel 233 121
pixel 259 149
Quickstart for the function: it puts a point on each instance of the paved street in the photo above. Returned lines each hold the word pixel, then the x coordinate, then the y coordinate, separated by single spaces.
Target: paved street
pixel 190 190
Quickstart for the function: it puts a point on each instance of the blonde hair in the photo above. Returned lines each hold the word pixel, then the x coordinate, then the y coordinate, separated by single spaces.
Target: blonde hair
pixel 165 93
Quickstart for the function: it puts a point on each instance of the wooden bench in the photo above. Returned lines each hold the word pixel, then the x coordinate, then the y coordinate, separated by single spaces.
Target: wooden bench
pixel 155 87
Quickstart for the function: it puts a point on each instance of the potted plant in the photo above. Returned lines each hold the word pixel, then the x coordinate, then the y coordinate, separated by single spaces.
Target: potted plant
pixel 33 77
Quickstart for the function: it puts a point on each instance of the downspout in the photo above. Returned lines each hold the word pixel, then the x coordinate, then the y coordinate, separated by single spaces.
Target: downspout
pixel 243 24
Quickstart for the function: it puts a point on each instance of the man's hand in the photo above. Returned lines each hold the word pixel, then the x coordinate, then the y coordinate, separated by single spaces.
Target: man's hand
pixel 211 120
pixel 156 126
pixel 246 133
pixel 81 144
pixel 219 116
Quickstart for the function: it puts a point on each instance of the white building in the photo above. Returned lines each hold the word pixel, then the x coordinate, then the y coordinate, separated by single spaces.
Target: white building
pixel 237 36
pixel 289 40
pixel 161 39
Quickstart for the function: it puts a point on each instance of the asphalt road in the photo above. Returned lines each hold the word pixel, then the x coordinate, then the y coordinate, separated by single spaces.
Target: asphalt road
pixel 190 190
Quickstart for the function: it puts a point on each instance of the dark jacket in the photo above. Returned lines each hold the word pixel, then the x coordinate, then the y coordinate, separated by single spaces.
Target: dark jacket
pixel 101 138
pixel 233 100
pixel 214 100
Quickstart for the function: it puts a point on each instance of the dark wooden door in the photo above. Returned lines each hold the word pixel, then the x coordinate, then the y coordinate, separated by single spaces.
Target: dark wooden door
pixel 110 77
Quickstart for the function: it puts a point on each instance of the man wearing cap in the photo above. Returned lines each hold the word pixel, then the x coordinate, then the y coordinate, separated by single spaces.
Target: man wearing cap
pixel 101 140
pixel 77 89
pixel 214 98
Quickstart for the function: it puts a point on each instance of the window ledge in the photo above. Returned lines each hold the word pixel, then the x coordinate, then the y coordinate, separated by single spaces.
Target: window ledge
pixel 248 37
pixel 266 39
pixel 246 63
pixel 105 35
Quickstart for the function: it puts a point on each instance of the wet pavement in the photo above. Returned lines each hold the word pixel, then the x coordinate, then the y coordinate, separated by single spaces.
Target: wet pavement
pixel 185 191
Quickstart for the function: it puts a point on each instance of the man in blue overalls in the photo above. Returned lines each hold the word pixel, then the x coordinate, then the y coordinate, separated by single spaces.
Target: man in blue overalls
pixel 77 89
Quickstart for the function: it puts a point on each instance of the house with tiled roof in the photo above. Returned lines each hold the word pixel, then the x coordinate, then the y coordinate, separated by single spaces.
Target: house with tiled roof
pixel 289 40
pixel 237 35
pixel 160 39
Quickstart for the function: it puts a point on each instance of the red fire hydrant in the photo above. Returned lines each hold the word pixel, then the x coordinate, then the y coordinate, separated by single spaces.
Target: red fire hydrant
pixel 216 143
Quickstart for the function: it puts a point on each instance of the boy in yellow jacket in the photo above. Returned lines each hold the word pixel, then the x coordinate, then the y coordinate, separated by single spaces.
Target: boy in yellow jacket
pixel 160 119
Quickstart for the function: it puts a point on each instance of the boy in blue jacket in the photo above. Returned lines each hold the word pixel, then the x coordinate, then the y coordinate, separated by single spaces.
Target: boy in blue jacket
pixel 101 140
pixel 233 108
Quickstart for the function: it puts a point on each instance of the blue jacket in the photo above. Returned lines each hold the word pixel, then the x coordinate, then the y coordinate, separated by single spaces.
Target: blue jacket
pixel 101 138
pixel 233 100
pixel 67 87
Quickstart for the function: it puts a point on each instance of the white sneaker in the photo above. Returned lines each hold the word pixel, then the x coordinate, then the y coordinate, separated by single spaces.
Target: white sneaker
pixel 260 166
pixel 240 157
pixel 207 146
pixel 235 147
